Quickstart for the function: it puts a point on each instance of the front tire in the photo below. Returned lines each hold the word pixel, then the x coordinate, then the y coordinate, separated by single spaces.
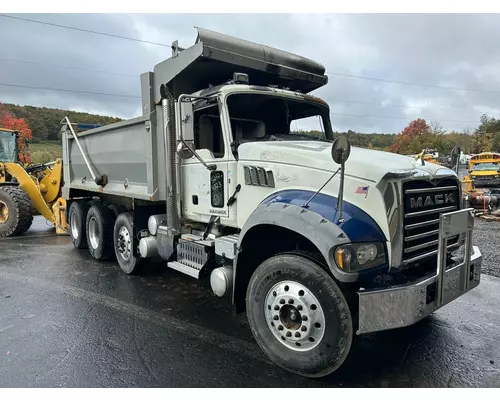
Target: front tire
pixel 123 236
pixel 299 316
pixel 16 214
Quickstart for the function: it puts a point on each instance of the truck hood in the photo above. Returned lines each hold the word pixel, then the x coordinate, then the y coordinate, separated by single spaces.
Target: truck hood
pixel 367 164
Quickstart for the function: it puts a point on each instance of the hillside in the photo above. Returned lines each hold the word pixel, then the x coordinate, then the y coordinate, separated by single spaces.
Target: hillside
pixel 45 122
pixel 45 152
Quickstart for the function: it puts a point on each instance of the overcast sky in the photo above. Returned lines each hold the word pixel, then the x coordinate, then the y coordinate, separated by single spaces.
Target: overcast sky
pixel 444 50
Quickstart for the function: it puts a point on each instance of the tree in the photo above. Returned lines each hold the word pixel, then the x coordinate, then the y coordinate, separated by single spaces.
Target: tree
pixel 483 137
pixel 8 121
pixel 412 138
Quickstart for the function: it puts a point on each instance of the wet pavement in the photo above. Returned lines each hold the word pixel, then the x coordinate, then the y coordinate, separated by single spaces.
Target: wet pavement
pixel 67 320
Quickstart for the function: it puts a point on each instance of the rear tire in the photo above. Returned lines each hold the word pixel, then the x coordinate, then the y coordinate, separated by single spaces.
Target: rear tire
pixel 99 227
pixel 117 209
pixel 299 316
pixel 77 217
pixel 123 241
pixel 16 214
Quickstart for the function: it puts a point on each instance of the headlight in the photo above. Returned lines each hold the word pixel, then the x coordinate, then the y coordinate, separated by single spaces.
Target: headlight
pixel 359 256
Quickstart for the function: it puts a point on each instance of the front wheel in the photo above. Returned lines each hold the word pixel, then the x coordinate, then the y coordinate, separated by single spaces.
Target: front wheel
pixel 16 214
pixel 299 316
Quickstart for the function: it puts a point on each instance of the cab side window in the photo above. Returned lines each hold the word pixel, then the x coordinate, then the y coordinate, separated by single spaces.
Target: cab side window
pixel 208 131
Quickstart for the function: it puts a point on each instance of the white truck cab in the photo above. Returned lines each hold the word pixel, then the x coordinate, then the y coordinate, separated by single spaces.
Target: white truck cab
pixel 221 178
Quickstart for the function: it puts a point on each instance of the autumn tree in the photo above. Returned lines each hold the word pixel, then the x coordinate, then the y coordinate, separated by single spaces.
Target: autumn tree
pixel 8 121
pixel 412 139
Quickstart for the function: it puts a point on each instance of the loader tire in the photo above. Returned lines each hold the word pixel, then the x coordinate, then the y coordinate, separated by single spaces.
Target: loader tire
pixel 16 214
pixel 77 217
pixel 299 316
pixel 123 242
pixel 99 227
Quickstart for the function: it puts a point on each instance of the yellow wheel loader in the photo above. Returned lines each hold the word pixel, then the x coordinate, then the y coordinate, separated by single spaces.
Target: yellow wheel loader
pixel 28 189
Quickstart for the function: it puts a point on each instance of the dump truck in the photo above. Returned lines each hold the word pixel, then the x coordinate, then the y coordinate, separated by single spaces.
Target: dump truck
pixel 316 241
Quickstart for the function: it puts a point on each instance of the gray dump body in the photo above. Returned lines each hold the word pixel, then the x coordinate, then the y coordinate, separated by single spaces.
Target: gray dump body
pixel 126 152
pixel 131 154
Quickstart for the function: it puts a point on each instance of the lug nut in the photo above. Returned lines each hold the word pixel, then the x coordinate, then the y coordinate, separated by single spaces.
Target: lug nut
pixel 282 301
pixel 288 334
pixel 280 328
pixel 290 301
pixel 276 318
pixel 297 334
pixel 299 307
pixel 303 329
pixel 276 308
pixel 304 318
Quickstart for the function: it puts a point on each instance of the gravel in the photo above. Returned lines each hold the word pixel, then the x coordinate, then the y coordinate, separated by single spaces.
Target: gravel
pixel 487 237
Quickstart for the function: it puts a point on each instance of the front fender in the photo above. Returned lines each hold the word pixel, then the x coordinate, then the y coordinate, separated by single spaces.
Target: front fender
pixel 324 234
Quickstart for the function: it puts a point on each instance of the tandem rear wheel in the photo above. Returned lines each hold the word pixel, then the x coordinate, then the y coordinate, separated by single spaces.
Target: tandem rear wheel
pixel 106 231
pixel 123 234
pixel 299 316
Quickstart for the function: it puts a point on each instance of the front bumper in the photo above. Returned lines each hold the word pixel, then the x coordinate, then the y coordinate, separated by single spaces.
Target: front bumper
pixel 480 182
pixel 399 306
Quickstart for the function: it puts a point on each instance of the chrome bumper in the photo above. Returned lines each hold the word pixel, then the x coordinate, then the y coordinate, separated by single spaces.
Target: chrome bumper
pixel 400 306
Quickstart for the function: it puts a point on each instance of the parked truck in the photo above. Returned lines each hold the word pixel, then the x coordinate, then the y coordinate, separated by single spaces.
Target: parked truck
pixel 315 241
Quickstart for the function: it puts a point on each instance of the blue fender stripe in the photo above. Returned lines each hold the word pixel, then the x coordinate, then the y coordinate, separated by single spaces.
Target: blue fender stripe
pixel 357 225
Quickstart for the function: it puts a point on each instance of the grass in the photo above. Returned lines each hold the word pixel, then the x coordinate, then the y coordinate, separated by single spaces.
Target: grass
pixel 45 152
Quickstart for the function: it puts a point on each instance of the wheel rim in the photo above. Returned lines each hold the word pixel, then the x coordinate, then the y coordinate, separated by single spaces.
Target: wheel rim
pixel 294 316
pixel 4 212
pixel 93 233
pixel 74 225
pixel 124 244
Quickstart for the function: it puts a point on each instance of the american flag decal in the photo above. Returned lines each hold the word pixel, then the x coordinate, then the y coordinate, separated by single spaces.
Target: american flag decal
pixel 362 190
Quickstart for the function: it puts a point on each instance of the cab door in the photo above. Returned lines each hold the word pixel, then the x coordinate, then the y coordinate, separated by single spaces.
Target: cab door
pixel 205 192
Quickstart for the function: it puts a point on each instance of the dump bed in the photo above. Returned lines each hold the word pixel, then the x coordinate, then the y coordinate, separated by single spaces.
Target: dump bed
pixel 127 153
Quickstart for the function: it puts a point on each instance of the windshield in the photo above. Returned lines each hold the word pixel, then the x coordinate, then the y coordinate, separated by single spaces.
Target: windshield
pixel 7 147
pixel 485 166
pixel 260 117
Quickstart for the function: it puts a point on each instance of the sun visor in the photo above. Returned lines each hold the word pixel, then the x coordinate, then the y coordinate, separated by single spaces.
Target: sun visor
pixel 215 57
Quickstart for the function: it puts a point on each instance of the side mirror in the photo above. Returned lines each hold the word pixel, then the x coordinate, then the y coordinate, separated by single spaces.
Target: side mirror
pixel 341 150
pixel 455 158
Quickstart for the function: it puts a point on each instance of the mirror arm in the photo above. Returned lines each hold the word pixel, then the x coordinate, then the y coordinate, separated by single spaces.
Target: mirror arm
pixel 340 201
pixel 211 167
pixel 306 204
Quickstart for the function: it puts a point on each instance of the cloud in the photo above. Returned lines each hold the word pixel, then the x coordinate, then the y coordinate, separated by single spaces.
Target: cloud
pixel 436 49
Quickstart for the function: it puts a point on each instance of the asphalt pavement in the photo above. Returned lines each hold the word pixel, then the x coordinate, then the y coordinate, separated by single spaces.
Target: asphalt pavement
pixel 69 321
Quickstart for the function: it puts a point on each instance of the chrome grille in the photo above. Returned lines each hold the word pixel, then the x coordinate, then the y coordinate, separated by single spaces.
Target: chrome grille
pixel 424 201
